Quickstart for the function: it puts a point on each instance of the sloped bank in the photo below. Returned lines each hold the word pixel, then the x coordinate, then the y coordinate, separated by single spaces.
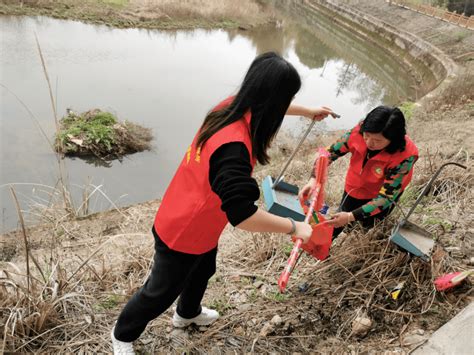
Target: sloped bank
pixel 413 52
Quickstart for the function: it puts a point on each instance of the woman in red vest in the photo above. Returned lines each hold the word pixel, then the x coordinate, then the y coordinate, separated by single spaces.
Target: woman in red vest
pixel 213 186
pixel 381 166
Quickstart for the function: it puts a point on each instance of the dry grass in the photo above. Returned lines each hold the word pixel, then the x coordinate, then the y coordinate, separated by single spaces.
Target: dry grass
pixel 160 14
pixel 459 93
pixel 86 270
pixel 213 10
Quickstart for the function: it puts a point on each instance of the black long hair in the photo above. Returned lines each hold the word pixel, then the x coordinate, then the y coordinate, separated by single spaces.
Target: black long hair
pixel 390 122
pixel 267 90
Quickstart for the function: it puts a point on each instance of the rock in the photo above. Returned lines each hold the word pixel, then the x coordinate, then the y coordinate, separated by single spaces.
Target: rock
pixel 276 320
pixel 361 325
pixel 471 261
pixel 258 284
pixel 420 331
pixel 202 329
pixel 412 339
pixel 177 332
pixel 244 307
pixel 179 337
pixel 241 298
pixel 267 329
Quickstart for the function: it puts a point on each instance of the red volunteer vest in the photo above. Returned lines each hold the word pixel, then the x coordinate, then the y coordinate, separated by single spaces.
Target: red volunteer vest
pixel 365 182
pixel 190 219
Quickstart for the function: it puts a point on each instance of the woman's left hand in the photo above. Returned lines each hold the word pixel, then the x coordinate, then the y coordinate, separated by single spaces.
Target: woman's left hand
pixel 340 219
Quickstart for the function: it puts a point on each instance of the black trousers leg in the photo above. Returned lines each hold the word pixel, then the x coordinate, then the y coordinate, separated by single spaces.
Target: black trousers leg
pixel 168 278
pixel 189 303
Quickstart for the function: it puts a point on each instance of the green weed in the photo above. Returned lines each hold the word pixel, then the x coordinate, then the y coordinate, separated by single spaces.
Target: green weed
pixel 435 221
pixel 110 302
pixel 278 297
pixel 220 305
pixel 93 128
pixel 287 248
pixel 407 108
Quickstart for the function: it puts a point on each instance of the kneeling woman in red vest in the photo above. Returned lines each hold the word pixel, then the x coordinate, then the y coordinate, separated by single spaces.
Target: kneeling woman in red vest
pixel 381 166
pixel 213 186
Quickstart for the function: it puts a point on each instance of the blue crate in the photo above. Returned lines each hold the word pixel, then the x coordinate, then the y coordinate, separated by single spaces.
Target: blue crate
pixel 283 200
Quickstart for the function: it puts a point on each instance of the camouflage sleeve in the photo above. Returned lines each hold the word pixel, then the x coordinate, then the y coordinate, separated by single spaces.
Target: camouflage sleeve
pixel 336 150
pixel 390 190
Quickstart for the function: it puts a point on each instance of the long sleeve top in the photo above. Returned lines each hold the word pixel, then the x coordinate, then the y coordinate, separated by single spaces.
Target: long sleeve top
pixel 391 187
pixel 230 178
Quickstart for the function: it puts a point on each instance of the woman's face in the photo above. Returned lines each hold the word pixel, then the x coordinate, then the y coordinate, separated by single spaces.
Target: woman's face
pixel 375 141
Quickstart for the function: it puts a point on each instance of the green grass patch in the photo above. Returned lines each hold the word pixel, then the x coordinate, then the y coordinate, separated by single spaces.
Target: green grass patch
pixel 435 221
pixel 220 305
pixel 407 108
pixel 110 302
pixel 98 133
pixel 287 248
pixel 277 296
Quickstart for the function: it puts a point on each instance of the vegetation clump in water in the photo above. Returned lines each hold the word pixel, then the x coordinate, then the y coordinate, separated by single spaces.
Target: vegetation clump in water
pixel 98 133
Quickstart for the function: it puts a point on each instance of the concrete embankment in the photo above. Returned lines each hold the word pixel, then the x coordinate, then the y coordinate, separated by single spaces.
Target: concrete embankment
pixel 413 52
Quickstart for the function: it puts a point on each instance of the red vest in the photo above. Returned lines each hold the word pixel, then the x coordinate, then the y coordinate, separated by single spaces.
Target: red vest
pixel 365 182
pixel 190 219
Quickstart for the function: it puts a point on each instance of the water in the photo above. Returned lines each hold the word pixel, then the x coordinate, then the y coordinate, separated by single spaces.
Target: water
pixel 163 80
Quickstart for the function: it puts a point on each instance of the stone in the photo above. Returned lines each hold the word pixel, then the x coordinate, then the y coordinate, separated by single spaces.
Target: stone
pixel 361 325
pixel 178 332
pixel 267 329
pixel 244 307
pixel 258 284
pixel 276 320
pixel 412 339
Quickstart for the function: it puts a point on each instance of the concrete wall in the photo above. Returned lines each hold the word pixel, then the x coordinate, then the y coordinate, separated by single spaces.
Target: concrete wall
pixel 413 52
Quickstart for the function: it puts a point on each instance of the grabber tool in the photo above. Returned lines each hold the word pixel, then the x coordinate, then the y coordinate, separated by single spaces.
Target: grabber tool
pixel 320 241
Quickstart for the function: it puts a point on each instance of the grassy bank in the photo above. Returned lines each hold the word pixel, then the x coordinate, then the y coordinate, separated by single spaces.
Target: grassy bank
pixel 152 14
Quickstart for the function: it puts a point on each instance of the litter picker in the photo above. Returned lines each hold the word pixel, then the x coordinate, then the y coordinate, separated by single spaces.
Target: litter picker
pixel 321 238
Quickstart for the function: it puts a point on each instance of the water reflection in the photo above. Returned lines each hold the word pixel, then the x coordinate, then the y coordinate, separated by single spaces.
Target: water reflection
pixel 166 81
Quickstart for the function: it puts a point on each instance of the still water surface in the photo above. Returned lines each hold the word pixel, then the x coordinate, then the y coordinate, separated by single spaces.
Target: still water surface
pixel 163 80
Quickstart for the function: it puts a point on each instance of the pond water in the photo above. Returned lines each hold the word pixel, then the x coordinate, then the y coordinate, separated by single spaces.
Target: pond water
pixel 163 80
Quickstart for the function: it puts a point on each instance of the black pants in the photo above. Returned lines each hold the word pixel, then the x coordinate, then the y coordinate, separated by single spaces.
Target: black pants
pixel 173 274
pixel 349 204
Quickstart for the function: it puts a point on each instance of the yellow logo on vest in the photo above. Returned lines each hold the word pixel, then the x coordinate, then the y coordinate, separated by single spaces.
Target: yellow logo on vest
pixel 188 155
pixel 197 157
pixel 378 171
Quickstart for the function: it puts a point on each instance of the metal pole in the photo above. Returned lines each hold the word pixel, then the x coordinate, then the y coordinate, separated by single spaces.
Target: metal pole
pixel 280 177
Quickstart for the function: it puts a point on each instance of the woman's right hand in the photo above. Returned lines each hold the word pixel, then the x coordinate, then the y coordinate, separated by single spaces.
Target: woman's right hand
pixel 307 188
pixel 303 231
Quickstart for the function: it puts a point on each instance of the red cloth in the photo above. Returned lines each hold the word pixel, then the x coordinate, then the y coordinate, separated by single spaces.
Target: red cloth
pixel 190 219
pixel 321 239
pixel 365 182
